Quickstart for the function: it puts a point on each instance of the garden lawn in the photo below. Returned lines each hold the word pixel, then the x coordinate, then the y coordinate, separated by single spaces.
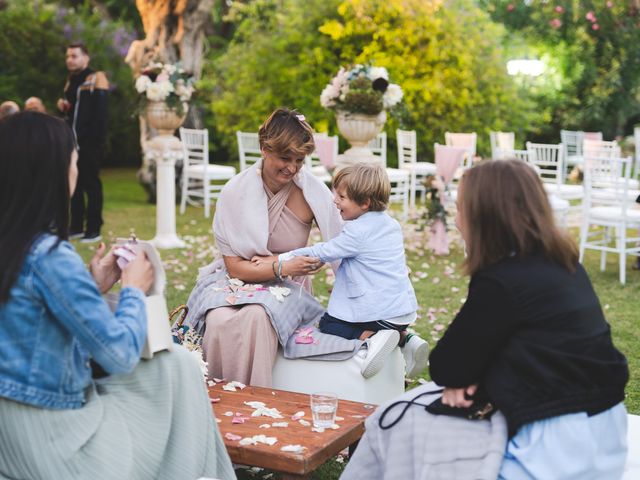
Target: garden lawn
pixel 439 284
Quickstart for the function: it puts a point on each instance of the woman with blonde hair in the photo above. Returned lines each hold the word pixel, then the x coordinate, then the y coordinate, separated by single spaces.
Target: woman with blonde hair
pixel 530 340
pixel 265 210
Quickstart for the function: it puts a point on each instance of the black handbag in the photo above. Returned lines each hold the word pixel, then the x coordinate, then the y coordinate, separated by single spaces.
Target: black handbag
pixel 481 409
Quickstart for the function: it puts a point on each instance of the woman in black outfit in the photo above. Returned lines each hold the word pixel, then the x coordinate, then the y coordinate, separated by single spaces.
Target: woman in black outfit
pixel 532 334
pixel 530 340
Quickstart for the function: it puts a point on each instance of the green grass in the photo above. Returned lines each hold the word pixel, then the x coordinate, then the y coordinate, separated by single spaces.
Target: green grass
pixel 439 284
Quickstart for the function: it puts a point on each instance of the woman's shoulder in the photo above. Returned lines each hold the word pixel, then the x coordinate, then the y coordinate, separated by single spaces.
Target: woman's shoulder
pixel 46 243
pixel 533 269
pixel 48 248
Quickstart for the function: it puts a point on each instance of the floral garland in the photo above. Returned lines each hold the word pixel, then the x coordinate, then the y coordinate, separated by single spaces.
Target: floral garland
pixel 436 188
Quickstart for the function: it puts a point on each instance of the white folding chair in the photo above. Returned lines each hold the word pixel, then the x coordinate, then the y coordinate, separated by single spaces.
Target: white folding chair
pixel 248 149
pixel 502 143
pixel 200 179
pixel 408 161
pixel 549 162
pixel 573 141
pixel 607 149
pixel 465 140
pixel 313 162
pixel 613 211
pixel 400 179
pixel 600 148
pixel 378 147
pixel 522 155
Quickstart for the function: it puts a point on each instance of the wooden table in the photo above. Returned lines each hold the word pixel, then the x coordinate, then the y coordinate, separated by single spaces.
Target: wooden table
pixel 319 446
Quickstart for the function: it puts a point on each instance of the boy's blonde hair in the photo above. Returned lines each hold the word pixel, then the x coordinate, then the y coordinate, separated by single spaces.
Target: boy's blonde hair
pixel 364 181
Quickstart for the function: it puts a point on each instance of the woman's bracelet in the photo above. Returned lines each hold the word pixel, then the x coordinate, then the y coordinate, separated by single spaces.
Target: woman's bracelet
pixel 280 269
pixel 274 268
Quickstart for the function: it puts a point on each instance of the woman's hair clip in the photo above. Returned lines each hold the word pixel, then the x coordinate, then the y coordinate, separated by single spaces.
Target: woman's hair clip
pixel 301 118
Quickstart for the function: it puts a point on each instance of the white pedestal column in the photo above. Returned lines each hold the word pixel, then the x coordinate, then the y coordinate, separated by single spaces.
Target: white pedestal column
pixel 166 149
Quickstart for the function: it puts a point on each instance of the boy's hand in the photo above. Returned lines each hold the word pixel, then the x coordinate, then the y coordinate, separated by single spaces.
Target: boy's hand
pixel 299 266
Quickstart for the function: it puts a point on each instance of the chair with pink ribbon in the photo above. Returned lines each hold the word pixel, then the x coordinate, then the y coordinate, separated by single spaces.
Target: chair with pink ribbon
pixel 448 159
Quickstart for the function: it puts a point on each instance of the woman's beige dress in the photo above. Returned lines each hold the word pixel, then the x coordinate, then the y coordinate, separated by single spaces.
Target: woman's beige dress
pixel 239 342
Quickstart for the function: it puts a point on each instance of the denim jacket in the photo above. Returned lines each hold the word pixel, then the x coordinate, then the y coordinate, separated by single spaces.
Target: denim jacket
pixel 55 320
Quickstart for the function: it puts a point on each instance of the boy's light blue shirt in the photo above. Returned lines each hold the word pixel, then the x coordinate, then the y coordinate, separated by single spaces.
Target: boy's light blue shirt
pixel 372 282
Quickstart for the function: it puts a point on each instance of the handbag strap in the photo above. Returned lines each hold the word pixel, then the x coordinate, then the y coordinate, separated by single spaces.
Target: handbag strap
pixel 407 404
pixel 181 308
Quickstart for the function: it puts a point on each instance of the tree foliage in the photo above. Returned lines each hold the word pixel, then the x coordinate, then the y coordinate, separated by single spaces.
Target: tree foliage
pixel 446 57
pixel 593 51
pixel 277 57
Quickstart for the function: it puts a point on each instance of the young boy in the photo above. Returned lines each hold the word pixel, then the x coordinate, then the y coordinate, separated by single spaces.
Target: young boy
pixel 372 298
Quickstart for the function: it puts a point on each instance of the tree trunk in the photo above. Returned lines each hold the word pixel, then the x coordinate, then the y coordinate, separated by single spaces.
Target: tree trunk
pixel 174 32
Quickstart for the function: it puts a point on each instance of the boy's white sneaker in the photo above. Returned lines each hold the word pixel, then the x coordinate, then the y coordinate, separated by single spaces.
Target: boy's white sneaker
pixel 377 348
pixel 415 352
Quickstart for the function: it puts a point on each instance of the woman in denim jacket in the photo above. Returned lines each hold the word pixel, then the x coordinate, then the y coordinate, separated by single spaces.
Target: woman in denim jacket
pixel 55 420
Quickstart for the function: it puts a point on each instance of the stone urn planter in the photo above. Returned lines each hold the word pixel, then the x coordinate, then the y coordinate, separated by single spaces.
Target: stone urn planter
pixel 164 119
pixel 359 129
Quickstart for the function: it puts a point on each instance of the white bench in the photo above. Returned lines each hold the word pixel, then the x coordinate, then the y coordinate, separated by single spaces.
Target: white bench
pixel 341 377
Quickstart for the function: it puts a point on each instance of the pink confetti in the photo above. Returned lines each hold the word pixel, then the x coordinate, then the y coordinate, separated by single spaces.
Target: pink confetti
pixel 305 336
pixel 297 416
pixel 232 436
pixel 238 418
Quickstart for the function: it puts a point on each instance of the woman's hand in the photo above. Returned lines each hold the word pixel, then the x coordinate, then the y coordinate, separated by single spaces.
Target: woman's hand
pixel 459 397
pixel 138 273
pixel 104 268
pixel 299 266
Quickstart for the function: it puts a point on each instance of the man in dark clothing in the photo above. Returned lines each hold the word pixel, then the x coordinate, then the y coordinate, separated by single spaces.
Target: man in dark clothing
pixel 85 108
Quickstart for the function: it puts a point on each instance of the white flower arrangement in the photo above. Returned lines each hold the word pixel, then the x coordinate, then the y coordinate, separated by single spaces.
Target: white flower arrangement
pixel 165 83
pixel 361 89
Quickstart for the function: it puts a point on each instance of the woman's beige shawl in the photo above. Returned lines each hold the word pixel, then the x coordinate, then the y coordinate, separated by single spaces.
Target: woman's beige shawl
pixel 241 222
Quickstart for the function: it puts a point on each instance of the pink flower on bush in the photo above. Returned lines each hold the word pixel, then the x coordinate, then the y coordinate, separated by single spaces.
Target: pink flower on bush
pixel 609 4
pixel 595 26
pixel 556 23
pixel 511 7
pixel 559 9
pixel 591 17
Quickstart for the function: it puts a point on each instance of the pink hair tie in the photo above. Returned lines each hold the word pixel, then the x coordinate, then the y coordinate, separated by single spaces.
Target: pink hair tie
pixel 300 118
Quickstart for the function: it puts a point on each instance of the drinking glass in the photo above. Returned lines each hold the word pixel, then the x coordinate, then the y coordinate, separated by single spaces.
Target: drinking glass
pixel 324 407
